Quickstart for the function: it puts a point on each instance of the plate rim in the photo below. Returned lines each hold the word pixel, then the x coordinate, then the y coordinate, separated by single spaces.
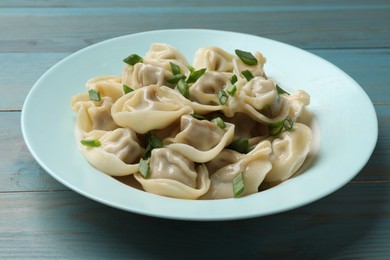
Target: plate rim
pixel 31 149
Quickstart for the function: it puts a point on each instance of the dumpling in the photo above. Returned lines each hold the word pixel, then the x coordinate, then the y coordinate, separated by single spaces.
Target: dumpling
pixel 256 70
pixel 141 75
pixel 173 175
pixel 298 100
pixel 200 140
pixel 289 151
pixel 213 59
pixel 254 166
pixel 165 53
pixel 118 153
pixel 150 108
pixel 205 89
pixel 108 86
pixel 259 99
pixel 93 115
pixel 225 157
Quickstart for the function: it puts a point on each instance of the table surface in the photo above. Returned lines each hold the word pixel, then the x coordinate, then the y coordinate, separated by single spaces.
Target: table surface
pixel 41 218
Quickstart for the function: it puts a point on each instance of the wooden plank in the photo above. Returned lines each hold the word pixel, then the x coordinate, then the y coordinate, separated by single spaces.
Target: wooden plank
pixel 19 72
pixel 69 32
pixel 189 3
pixel 20 172
pixel 352 223
pixel 18 169
pixel 366 66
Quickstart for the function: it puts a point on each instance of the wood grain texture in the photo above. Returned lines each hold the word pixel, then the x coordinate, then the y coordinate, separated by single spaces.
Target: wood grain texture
pixel 366 66
pixel 70 30
pixel 351 222
pixel 189 3
pixel 42 219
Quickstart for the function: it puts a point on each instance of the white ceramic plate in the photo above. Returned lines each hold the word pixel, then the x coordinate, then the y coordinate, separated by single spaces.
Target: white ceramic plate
pixel 342 109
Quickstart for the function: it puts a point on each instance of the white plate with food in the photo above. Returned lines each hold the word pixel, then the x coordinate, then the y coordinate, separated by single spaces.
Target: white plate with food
pixel 199 125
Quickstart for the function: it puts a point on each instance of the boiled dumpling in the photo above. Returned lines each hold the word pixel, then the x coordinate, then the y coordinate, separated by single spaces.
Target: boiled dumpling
pixel 289 151
pixel 173 175
pixel 108 86
pixel 200 140
pixel 254 166
pixel 165 53
pixel 259 99
pixel 118 153
pixel 93 115
pixel 298 101
pixel 213 59
pixel 141 75
pixel 150 108
pixel 205 89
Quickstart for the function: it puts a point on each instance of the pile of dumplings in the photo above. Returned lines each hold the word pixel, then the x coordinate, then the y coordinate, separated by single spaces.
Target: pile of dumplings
pixel 195 158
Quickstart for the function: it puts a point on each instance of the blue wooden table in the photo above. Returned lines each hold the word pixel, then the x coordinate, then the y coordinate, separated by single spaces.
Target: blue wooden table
pixel 40 218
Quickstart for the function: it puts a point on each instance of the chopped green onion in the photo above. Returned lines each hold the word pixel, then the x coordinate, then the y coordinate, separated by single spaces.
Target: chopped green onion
pixel 267 111
pixel 280 90
pixel 240 145
pixel 175 68
pixel 199 117
pixel 247 74
pixel 151 142
pixel 94 95
pixel 288 124
pixel 222 96
pixel 133 59
pixel 127 89
pixel 183 88
pixel 192 69
pixel 238 185
pixel 219 122
pixel 233 79
pixel 246 57
pixel 231 89
pixel 277 127
pixel 195 75
pixel 90 143
pixel 175 79
pixel 144 168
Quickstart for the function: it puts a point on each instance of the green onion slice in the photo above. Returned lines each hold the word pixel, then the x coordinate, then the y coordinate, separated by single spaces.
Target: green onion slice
pixel 240 145
pixel 199 117
pixel 280 90
pixel 288 124
pixel 151 142
pixel 192 69
pixel 94 95
pixel 275 128
pixel 247 74
pixel 133 59
pixel 183 88
pixel 175 68
pixel 233 79
pixel 175 79
pixel 90 143
pixel 231 89
pixel 127 89
pixel 195 75
pixel 144 168
pixel 222 96
pixel 219 122
pixel 238 185
pixel 246 57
